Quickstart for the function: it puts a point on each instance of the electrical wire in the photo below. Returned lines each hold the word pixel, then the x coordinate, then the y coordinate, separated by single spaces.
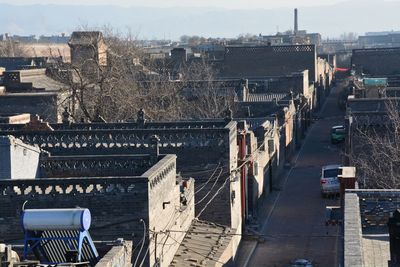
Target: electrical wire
pixel 210 190
pixel 143 240
pixel 213 197
pixel 249 158
pixel 144 257
pixel 202 232
pixel 209 179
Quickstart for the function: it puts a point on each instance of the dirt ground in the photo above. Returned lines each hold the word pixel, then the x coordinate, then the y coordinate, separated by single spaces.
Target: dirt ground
pixel 46 50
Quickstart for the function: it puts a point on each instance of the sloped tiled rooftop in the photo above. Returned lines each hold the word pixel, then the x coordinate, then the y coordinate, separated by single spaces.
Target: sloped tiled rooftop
pixel 266 97
pixel 203 245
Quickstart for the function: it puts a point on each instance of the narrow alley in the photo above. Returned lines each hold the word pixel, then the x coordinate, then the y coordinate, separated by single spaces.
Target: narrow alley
pixel 295 227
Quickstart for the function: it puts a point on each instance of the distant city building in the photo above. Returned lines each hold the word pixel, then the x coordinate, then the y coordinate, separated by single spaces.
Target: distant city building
pixel 29 39
pixel 383 39
pixel 293 37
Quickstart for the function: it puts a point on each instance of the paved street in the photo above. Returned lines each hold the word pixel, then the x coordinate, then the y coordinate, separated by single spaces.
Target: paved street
pixel 296 226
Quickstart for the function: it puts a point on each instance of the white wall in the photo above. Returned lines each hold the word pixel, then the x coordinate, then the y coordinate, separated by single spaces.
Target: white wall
pixel 18 160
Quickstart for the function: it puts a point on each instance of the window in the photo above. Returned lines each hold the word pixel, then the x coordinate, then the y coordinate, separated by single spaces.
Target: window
pixel 340 131
pixel 331 173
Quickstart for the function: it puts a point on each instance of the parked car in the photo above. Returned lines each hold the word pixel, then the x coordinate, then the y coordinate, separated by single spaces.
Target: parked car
pixel 301 263
pixel 338 134
pixel 329 180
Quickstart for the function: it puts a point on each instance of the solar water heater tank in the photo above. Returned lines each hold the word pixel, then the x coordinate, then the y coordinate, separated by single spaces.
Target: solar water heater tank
pixel 56 219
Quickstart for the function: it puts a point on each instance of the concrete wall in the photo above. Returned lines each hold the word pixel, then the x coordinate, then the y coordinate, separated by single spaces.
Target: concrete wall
pixel 379 61
pixel 261 61
pixel 18 160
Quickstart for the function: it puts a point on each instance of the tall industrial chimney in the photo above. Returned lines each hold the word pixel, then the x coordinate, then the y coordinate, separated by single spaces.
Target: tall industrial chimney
pixel 296 25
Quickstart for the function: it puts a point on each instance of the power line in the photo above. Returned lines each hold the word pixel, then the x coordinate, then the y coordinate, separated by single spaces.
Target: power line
pixel 200 232
pixel 209 179
pixel 251 157
pixel 210 190
pixel 215 195
pixel 188 173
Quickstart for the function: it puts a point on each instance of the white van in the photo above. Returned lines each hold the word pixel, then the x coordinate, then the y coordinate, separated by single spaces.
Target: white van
pixel 329 180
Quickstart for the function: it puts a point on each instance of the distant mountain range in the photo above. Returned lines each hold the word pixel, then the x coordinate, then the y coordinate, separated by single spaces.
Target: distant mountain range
pixel 353 16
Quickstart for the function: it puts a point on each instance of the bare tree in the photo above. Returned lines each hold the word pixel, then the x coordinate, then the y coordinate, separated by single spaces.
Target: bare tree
pixel 10 48
pixel 128 82
pixel 376 148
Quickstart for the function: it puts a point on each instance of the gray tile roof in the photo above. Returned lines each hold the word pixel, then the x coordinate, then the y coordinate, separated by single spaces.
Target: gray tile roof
pixel 203 245
pixel 266 97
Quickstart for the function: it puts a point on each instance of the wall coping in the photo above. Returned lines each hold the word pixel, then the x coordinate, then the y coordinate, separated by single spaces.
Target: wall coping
pixel 353 253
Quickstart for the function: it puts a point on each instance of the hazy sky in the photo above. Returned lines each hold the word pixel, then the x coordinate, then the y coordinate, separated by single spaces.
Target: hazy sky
pixel 236 4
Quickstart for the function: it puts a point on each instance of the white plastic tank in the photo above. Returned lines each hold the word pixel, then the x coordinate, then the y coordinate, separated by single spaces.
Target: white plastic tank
pixel 56 219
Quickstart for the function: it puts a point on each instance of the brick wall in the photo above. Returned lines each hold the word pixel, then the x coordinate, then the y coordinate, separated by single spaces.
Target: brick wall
pixel 376 207
pixel 379 61
pixel 195 147
pixel 247 62
pixel 94 165
pixel 295 82
pixel 116 204
pixel 119 255
pixel 43 104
